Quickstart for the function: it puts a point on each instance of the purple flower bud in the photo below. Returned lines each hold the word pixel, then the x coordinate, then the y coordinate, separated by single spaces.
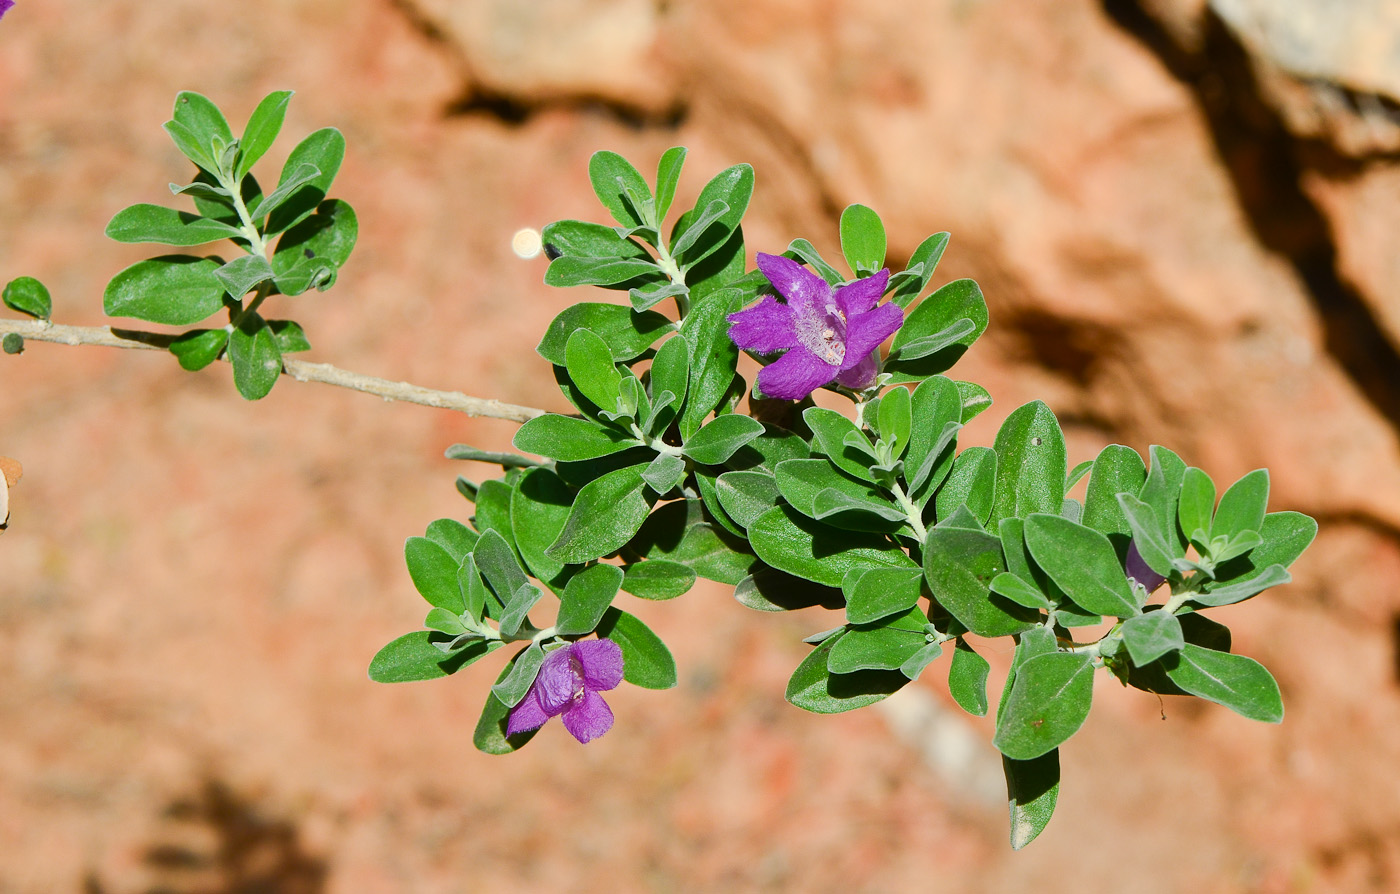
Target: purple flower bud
pixel 568 683
pixel 1139 572
pixel 826 336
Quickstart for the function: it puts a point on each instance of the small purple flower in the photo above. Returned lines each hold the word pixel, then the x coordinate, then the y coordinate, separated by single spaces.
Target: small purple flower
pixel 1138 570
pixel 5 7
pixel 827 336
pixel 568 683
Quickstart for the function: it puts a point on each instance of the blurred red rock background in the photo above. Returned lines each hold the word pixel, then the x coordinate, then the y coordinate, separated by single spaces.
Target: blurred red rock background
pixel 1183 215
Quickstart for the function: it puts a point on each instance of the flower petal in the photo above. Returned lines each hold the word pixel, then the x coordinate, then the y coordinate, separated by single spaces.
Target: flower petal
pixel 766 327
pixel 861 376
pixel 558 681
pixel 527 715
pixel 802 288
pixel 859 296
pixel 588 718
pixel 1137 569
pixel 795 375
pixel 601 660
pixel 865 332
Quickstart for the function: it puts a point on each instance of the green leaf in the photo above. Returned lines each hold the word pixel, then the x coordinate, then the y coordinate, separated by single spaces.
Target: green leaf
pixel 1082 562
pixel 958 300
pixel 481 601
pixel 1285 536
pixel 895 420
pixel 539 508
pixel 263 126
pixel 830 430
pixel 177 290
pixel 803 481
pixel 717 441
pixel 814 688
pixel 914 665
pixel 1162 491
pixel 770 590
pixel 668 174
pixel 311 253
pixel 790 542
pixel 198 348
pixel 975 400
pixel 453 536
pixel 718 271
pixel 884 647
pixel 495 559
pixel 1240 590
pixel 324 150
pixel 586 597
pixel 971 482
pixel 495 458
pixel 518 608
pixel 605 515
pixel 1235 681
pixel 925 259
pixel 490 733
pixel 646 662
pixel 665 473
pixel 1048 703
pixel 658 579
pixel 511 690
pixel 291 182
pixel 434 573
pixel 187 141
pixel 967 679
pixel 876 593
pixel 416 656
pixel 244 273
pixel 732 186
pixel 746 495
pixel 862 240
pixel 1155 550
pixel 621 189
pixel 565 272
pixel 626 332
pixel 290 337
pixel 670 374
pixel 444 621
pixel 1150 636
pixel 1242 506
pixel 934 406
pixel 1032 788
pixel 1196 506
pixel 1036 641
pixel 960 565
pixel 805 252
pixel 156 223
pixel 1117 470
pixel 1015 588
pixel 28 296
pixel 203 120
pixel 590 365
pixel 570 438
pixel 713 357
pixel 591 241
pixel 1030 463
pixel 252 351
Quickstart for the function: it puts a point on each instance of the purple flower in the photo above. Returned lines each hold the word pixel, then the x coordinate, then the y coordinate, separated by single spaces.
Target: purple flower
pixel 5 7
pixel 1138 570
pixel 568 683
pixel 827 336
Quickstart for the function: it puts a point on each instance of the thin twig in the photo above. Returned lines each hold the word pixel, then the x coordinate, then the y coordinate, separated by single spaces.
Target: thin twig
pixel 301 370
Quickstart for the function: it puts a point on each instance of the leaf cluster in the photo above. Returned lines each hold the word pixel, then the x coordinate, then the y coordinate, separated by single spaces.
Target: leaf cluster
pixel 927 548
pixel 289 240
